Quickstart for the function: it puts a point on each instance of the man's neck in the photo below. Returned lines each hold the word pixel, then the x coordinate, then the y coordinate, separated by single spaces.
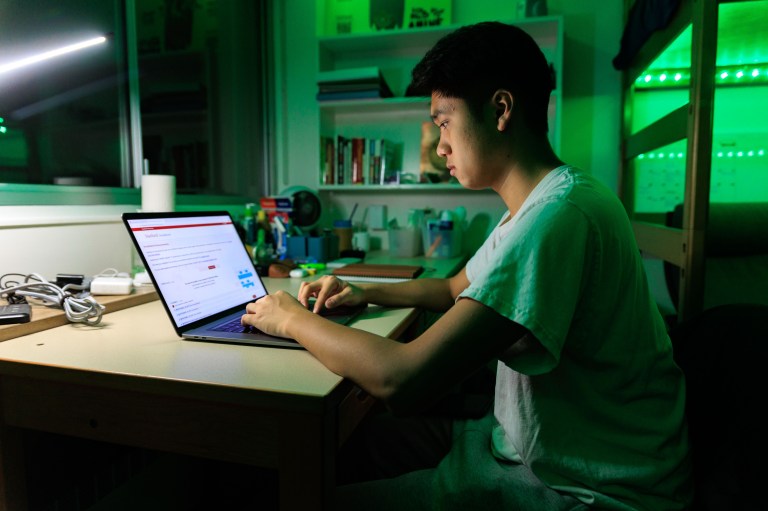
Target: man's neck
pixel 521 181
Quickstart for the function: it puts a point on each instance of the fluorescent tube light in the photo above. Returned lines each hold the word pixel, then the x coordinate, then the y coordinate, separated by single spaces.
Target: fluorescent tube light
pixel 50 54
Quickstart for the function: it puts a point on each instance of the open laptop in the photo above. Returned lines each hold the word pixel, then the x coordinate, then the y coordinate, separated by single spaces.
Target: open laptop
pixel 204 275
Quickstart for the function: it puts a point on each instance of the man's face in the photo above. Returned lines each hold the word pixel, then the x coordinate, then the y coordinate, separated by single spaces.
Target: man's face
pixel 469 144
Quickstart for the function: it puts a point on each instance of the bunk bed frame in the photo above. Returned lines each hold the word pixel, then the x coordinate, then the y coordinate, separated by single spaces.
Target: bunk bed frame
pixel 684 246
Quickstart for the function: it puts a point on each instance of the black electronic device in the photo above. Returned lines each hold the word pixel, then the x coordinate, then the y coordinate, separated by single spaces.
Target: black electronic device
pixel 15 313
pixel 306 205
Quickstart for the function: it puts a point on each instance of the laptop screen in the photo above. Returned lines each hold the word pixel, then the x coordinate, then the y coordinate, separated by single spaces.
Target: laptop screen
pixel 198 264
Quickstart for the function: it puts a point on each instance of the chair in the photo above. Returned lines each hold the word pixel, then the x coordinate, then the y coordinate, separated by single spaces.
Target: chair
pixel 723 352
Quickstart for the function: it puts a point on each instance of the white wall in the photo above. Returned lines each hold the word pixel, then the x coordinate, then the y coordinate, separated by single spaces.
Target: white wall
pixel 63 239
pixel 591 134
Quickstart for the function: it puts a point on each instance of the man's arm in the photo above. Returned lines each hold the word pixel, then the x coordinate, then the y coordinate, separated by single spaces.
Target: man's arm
pixel 410 375
pixel 431 294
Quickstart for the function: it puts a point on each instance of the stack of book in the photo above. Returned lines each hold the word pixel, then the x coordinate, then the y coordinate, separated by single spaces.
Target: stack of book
pixel 354 83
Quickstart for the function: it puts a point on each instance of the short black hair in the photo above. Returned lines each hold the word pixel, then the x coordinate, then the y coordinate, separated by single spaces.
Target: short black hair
pixel 474 61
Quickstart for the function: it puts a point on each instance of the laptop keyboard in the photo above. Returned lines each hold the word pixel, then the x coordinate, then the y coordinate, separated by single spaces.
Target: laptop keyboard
pixel 234 325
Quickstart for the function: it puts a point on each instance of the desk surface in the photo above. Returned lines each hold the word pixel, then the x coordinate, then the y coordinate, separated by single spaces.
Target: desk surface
pixel 139 343
pixel 45 318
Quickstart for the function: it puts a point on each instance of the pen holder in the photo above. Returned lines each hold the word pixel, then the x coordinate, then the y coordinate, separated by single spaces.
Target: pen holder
pixel 343 229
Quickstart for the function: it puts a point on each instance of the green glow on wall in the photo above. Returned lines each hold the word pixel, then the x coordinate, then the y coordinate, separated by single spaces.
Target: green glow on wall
pixel 739 174
pixel 739 164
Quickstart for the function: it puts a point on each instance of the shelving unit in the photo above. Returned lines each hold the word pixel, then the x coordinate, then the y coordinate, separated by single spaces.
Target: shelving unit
pixel 680 146
pixel 399 118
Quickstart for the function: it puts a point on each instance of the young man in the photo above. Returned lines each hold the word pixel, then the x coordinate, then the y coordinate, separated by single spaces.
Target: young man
pixel 588 404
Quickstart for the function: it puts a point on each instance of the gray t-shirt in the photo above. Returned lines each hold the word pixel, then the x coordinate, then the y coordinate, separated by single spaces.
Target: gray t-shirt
pixel 599 412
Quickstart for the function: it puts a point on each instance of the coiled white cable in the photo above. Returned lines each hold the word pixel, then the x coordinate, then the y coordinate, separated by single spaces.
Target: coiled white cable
pixel 77 309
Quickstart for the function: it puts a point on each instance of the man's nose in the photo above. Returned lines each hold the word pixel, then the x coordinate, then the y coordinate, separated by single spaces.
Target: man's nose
pixel 443 148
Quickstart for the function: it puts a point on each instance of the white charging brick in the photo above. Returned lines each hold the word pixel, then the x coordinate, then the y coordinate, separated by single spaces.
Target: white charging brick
pixel 111 286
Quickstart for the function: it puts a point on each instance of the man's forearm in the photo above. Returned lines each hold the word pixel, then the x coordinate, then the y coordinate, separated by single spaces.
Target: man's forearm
pixel 430 294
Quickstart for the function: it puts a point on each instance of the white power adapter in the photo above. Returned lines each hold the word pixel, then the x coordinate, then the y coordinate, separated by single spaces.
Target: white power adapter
pixel 111 286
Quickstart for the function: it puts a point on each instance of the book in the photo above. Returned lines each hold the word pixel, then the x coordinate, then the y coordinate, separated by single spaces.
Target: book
pixel 347 86
pixel 341 144
pixel 327 160
pixel 354 83
pixel 388 171
pixel 370 73
pixel 358 94
pixel 358 153
pixel 367 272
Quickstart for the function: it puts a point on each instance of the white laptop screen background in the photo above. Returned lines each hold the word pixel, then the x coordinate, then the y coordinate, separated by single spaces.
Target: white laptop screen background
pixel 199 264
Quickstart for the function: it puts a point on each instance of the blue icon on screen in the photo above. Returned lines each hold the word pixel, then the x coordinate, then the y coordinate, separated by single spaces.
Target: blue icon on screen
pixel 245 278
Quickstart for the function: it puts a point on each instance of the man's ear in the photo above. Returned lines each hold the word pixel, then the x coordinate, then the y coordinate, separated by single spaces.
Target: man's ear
pixel 502 104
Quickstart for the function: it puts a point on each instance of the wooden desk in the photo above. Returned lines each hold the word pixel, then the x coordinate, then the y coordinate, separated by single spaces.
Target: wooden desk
pixel 132 381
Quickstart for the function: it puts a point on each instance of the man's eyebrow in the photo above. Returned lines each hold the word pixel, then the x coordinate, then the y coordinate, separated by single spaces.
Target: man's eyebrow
pixel 437 113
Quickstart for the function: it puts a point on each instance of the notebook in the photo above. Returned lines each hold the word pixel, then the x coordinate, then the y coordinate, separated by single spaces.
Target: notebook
pixel 367 272
pixel 204 276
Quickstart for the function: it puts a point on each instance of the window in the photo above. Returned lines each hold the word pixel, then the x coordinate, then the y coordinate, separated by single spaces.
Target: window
pixel 176 88
pixel 63 118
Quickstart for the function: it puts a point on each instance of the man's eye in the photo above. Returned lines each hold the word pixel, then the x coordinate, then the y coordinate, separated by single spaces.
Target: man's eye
pixel 443 125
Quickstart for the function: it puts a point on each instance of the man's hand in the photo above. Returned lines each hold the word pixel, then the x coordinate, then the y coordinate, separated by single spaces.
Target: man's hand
pixel 330 292
pixel 273 313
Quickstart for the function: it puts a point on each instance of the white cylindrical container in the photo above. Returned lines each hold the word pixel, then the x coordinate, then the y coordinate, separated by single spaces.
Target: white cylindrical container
pixel 158 193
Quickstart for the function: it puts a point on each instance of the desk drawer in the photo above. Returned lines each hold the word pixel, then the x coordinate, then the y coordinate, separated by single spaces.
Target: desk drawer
pixel 198 428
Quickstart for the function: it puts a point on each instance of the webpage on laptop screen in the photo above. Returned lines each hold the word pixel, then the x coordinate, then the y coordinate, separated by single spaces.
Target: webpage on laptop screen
pixel 199 265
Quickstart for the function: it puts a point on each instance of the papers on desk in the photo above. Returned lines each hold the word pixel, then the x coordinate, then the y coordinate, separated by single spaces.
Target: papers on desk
pixel 365 272
pixel 344 261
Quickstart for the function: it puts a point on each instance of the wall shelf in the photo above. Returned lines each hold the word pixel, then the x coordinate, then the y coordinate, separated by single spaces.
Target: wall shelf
pixel 377 106
pixel 399 119
pixel 415 187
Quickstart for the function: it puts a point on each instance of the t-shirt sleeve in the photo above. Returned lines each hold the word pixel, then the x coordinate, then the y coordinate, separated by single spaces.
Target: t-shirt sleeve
pixel 534 278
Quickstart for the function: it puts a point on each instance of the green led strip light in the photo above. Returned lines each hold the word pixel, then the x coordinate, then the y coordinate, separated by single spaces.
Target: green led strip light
pixel 728 75
pixel 719 154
